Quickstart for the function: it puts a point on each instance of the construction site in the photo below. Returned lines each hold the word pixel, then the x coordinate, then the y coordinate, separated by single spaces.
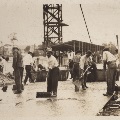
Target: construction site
pixel 68 104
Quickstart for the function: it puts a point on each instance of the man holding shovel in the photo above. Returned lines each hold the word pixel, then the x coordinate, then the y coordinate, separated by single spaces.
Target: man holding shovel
pixel 76 68
pixel 85 63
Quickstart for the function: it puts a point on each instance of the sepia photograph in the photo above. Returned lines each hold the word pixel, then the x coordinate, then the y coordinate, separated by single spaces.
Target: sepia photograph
pixel 59 59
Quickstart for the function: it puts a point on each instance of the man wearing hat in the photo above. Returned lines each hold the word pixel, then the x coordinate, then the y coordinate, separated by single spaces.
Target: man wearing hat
pixel 85 62
pixel 109 60
pixel 18 68
pixel 53 73
pixel 76 68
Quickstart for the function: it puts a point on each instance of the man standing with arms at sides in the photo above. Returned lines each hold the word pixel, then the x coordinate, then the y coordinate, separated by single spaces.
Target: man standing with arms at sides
pixel 53 73
pixel 17 66
pixel 85 62
pixel 76 68
pixel 109 60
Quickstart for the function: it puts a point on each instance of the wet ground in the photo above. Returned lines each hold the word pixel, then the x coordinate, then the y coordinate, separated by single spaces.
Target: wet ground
pixel 67 104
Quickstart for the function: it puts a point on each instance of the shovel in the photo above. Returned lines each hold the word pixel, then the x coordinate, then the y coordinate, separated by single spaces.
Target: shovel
pixel 78 82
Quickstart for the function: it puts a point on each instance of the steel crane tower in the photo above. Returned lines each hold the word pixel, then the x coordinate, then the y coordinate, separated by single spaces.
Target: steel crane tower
pixel 52 21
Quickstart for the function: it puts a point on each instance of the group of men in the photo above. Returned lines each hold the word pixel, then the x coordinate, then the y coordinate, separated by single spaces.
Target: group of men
pixel 80 65
pixel 19 63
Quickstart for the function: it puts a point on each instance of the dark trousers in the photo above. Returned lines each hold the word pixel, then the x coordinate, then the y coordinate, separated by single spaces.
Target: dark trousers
pixel 76 74
pixel 17 78
pixel 52 80
pixel 85 76
pixel 21 73
pixel 117 76
pixel 111 73
pixel 1 69
pixel 71 72
pixel 28 73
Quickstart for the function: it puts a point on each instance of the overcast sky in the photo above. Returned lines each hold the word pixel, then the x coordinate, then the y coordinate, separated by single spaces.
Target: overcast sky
pixel 25 17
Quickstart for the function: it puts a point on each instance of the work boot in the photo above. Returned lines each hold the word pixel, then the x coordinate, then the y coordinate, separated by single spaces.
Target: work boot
pixel 83 87
pixel 76 89
pixel 24 83
pixel 18 92
pixel 106 94
pixel 54 94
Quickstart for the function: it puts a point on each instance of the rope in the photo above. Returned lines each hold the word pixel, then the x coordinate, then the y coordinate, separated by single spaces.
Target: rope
pixel 85 23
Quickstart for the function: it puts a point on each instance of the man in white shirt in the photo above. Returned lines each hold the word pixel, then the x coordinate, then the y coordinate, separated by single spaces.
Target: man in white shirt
pixel 28 62
pixel 53 73
pixel 109 60
pixel 85 61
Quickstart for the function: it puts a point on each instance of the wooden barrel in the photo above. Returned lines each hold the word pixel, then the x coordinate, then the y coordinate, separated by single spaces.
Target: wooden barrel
pixel 41 76
pixel 101 75
pixel 63 75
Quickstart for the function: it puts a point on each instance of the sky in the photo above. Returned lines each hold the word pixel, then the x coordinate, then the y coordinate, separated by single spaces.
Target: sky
pixel 25 18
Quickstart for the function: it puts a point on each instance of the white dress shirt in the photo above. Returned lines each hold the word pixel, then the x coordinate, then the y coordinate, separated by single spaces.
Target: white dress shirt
pixel 27 59
pixel 107 56
pixel 52 62
pixel 85 61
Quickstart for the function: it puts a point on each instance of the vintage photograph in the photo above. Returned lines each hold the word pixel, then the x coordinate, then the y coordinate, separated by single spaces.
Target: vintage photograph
pixel 59 59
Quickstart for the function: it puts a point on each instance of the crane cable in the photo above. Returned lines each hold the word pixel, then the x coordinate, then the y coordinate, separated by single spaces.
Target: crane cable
pixel 85 23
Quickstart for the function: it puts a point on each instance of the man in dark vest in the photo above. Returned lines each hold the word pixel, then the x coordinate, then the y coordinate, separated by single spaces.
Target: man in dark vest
pixel 18 68
pixel 76 68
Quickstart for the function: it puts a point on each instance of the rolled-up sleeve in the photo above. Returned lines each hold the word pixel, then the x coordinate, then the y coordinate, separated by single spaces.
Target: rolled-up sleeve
pixel 31 60
pixel 82 61
pixel 104 56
